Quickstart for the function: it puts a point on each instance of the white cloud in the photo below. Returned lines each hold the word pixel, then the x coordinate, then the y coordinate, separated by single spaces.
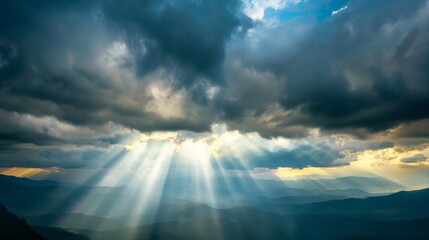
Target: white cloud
pixel 166 102
pixel 255 8
pixel 339 10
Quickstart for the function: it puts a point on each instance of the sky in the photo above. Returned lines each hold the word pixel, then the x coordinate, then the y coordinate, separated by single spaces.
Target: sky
pixel 272 89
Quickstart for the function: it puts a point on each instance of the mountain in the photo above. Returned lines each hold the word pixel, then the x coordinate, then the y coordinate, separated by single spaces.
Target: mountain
pixel 403 215
pixel 202 229
pixel 405 205
pixel 397 206
pixel 75 221
pixel 305 227
pixel 6 180
pixel 263 202
pixel 366 184
pixel 27 197
pixel 237 190
pixel 193 211
pixel 59 234
pixel 12 227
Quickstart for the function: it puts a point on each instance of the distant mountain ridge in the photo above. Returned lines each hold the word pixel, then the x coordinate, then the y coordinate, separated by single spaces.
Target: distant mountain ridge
pixel 47 197
pixel 75 221
pixel 59 234
pixel 366 184
pixel 400 205
pixel 352 219
pixel 20 181
pixel 400 216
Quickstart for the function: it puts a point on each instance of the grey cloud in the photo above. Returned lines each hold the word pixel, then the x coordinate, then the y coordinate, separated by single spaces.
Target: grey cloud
pixel 324 151
pixel 300 157
pixel 52 158
pixel 415 129
pixel 315 152
pixel 357 70
pixel 406 44
pixel 187 35
pixel 414 159
pixel 51 59
pixel 19 131
pixel 248 92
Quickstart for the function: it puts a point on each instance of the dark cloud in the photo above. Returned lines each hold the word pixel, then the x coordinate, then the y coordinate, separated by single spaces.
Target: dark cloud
pixel 406 44
pixel 24 131
pixel 54 57
pixel 187 35
pixel 365 68
pixel 415 129
pixel 86 65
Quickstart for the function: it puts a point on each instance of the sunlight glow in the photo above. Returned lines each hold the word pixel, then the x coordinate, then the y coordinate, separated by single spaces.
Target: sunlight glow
pixel 22 172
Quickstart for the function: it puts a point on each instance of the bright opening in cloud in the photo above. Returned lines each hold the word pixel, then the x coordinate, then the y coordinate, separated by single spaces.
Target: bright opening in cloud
pixel 255 9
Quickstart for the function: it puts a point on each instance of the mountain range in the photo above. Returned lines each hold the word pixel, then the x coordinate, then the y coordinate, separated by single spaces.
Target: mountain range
pixel 327 215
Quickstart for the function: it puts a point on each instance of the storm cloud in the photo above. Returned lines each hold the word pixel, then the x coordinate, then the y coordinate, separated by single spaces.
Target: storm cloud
pixel 87 73
pixel 363 68
pixel 93 63
pixel 189 36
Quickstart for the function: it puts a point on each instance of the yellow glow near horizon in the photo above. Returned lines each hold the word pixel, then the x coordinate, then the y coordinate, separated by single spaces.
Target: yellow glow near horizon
pixel 23 172
pixel 200 151
pixel 384 163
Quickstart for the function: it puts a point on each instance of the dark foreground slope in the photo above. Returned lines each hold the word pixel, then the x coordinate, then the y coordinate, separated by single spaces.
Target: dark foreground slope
pixel 11 227
pixel 14 228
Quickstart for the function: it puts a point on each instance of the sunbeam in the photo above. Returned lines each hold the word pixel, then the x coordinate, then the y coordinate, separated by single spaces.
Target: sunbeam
pixel 214 119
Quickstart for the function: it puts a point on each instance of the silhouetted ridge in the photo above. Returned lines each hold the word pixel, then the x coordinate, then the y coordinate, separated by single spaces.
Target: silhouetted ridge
pixel 12 227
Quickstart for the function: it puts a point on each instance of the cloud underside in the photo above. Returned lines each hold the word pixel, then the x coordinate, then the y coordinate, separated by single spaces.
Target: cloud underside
pixel 112 67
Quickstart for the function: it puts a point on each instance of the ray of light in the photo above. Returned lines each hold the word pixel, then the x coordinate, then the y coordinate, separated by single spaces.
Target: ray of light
pixel 152 184
pixel 144 176
pixel 95 200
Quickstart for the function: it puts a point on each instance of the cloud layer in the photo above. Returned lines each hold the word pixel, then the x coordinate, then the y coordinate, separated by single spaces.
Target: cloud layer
pixel 89 74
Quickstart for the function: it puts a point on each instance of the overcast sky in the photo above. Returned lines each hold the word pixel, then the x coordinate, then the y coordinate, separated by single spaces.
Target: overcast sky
pixel 294 84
